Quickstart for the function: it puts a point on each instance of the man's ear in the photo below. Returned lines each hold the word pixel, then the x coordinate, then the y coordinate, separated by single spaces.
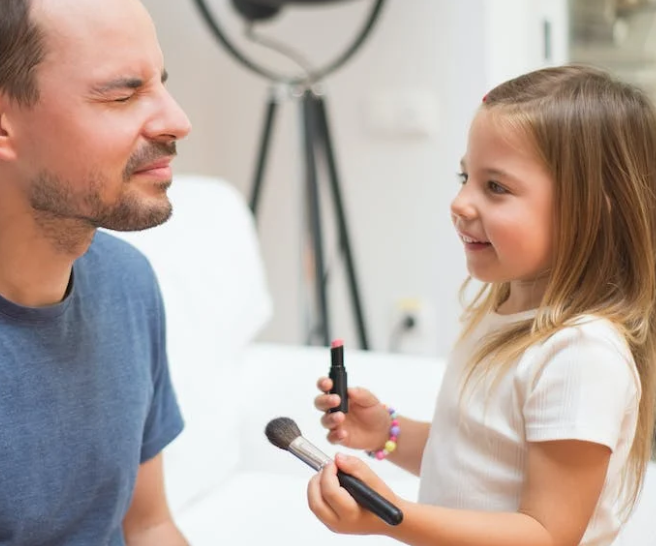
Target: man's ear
pixel 7 152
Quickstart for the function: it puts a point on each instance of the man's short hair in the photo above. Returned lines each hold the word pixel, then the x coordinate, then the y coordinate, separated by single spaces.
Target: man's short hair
pixel 21 51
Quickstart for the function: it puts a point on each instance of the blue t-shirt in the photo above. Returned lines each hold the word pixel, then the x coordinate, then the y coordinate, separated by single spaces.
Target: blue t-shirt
pixel 85 397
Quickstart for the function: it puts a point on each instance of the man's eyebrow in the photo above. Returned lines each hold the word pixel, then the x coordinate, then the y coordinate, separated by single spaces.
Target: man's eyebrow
pixel 125 83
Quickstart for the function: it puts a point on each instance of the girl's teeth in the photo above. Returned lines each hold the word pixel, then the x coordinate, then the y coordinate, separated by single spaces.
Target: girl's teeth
pixel 468 240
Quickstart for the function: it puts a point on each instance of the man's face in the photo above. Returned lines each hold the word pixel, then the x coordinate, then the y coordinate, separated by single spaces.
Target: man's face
pixel 97 145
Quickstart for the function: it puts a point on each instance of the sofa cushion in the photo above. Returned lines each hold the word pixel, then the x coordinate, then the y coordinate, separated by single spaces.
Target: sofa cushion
pixel 640 530
pixel 266 508
pixel 209 267
pixel 281 381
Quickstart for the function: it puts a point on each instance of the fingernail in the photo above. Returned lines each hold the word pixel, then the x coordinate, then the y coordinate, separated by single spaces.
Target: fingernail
pixel 342 457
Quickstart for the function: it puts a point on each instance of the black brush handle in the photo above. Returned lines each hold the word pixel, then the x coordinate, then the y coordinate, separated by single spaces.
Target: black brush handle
pixel 366 497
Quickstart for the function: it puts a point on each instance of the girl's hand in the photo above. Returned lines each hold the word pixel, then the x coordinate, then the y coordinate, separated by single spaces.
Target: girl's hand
pixel 336 509
pixel 365 426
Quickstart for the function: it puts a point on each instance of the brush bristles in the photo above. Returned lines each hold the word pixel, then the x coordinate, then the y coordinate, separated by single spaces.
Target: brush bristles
pixel 282 431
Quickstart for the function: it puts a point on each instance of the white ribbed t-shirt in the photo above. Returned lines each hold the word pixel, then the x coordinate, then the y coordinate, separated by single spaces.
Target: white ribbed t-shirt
pixel 580 384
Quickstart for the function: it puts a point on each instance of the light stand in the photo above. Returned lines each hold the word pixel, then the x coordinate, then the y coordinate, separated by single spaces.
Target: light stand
pixel 318 152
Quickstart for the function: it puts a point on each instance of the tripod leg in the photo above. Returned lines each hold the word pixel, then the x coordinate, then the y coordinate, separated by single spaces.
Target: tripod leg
pixel 325 141
pixel 310 125
pixel 272 107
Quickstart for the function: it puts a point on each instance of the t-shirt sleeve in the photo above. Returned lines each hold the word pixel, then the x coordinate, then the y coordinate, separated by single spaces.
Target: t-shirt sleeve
pixel 164 422
pixel 580 389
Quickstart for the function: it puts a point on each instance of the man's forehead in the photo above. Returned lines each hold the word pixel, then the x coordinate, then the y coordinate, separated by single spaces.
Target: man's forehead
pixel 100 38
pixel 80 20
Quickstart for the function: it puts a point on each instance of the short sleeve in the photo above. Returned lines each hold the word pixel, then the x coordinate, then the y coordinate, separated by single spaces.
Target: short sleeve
pixel 164 422
pixel 581 388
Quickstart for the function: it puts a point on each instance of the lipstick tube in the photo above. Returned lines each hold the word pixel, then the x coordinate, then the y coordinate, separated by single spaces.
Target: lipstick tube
pixel 338 375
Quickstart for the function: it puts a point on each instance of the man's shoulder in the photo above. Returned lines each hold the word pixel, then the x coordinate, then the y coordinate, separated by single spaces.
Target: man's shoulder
pixel 113 252
pixel 112 262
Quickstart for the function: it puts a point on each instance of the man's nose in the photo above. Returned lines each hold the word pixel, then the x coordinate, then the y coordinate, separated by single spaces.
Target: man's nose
pixel 171 122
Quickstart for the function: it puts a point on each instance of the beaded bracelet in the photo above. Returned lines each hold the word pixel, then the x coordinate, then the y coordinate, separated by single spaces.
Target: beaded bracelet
pixel 390 445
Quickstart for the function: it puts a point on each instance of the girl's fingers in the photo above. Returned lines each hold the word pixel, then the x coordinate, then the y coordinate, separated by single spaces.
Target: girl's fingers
pixel 337 436
pixel 324 402
pixel 317 503
pixel 324 384
pixel 332 420
pixel 334 495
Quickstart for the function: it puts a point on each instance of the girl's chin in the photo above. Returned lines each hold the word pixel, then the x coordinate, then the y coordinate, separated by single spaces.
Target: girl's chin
pixel 481 276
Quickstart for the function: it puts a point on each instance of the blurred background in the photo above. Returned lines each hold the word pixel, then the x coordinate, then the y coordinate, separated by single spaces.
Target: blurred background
pixel 399 112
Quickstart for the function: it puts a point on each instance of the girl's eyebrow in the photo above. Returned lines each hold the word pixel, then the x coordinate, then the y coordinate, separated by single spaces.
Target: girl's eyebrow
pixel 498 172
pixel 489 171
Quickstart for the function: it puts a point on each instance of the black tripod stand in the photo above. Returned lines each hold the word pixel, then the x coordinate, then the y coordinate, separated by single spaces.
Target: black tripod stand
pixel 318 151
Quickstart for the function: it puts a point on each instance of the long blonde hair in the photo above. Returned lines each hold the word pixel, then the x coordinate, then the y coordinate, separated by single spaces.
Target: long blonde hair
pixel 597 138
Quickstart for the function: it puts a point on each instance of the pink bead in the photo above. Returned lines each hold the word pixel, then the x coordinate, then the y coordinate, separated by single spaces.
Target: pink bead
pixel 393 438
pixel 380 455
pixel 395 423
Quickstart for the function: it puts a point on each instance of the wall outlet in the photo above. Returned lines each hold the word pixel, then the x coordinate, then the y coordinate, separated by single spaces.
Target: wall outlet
pixel 413 327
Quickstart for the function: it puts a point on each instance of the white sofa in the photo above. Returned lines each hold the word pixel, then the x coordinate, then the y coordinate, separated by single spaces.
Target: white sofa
pixel 226 483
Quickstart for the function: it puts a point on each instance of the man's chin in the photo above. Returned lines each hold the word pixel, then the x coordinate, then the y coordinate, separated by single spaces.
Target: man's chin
pixel 137 220
pixel 148 186
pixel 164 185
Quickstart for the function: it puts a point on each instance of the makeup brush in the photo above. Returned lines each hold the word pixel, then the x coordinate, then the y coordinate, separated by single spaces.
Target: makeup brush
pixel 284 433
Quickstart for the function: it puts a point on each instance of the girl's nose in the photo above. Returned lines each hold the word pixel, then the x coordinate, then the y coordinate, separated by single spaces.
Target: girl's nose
pixel 462 205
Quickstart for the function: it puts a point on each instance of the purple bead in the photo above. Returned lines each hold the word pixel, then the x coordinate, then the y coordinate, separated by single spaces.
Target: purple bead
pixel 394 431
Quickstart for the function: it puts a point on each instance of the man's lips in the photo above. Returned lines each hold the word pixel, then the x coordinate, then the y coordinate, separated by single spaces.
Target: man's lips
pixel 164 163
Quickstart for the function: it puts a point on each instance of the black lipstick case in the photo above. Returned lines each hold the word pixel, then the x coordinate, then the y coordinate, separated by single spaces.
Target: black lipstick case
pixel 338 376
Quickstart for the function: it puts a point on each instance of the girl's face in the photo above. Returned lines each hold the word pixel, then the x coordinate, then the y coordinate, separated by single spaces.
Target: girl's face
pixel 504 210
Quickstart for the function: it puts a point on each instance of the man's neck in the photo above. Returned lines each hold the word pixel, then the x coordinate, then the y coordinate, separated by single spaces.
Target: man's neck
pixel 36 263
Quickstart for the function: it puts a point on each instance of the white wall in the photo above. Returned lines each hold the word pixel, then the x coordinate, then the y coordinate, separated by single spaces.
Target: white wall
pixel 397 188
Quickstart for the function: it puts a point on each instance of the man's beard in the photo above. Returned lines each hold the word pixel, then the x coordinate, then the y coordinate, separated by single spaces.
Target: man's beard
pixel 55 199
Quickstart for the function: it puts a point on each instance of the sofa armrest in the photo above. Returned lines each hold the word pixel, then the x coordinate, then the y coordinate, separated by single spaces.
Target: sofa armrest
pixel 280 380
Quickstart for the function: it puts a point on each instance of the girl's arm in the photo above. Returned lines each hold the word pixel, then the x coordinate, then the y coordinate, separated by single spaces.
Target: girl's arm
pixel 367 426
pixel 564 481
pixel 410 445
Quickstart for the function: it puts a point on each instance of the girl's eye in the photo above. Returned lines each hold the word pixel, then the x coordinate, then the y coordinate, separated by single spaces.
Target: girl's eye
pixel 462 177
pixel 495 187
pixel 123 99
